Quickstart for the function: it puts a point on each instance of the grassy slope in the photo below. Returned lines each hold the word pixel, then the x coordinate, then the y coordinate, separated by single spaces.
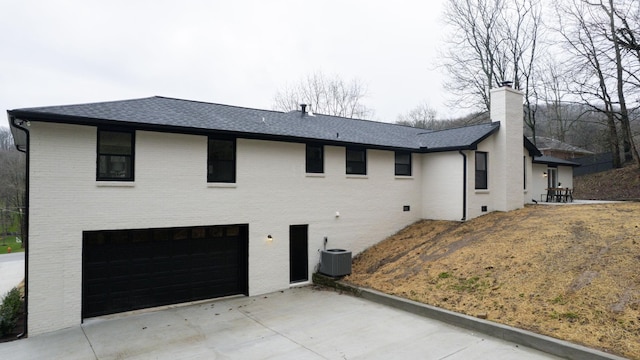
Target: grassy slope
pixel 566 271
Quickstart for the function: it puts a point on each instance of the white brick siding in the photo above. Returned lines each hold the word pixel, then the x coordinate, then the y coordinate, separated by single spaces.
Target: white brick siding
pixel 170 189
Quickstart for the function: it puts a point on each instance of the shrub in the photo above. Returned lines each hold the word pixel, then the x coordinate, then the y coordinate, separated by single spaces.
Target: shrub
pixel 9 311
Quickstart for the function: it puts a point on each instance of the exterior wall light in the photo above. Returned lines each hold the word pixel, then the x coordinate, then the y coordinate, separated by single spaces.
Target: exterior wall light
pixel 269 238
pixel 544 174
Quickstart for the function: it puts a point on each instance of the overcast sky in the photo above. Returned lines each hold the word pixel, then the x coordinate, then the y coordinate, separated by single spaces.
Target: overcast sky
pixel 236 52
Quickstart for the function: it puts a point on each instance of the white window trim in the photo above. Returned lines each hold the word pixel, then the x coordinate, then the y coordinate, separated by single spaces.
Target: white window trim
pixel 115 184
pixel 222 185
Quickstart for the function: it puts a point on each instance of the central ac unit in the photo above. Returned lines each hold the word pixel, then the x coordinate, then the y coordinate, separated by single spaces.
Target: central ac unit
pixel 335 262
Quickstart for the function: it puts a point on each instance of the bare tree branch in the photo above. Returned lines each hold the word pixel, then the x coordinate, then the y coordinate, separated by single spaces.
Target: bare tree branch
pixel 325 95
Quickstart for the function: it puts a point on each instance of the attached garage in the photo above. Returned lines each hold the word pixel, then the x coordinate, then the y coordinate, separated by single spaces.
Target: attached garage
pixel 140 268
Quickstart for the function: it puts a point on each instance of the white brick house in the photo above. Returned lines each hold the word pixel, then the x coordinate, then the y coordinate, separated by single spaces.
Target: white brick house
pixel 146 202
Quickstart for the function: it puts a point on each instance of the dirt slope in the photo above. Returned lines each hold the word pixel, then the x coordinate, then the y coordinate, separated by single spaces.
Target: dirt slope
pixel 616 184
pixel 571 272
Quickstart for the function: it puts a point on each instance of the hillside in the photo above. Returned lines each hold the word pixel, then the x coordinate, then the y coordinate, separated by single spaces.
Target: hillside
pixel 570 272
pixel 616 184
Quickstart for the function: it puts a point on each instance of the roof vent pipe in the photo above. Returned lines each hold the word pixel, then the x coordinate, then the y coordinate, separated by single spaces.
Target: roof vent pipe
pixel 303 107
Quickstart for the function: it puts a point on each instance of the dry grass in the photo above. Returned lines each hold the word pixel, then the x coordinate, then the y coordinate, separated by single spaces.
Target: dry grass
pixel 571 272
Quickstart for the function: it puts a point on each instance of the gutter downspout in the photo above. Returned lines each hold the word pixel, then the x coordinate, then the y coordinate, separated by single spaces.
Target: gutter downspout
pixel 25 150
pixel 464 185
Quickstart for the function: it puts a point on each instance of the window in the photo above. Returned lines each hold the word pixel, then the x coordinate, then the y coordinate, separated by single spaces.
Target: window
pixel 115 155
pixel 552 177
pixel 481 170
pixel 403 163
pixel 356 161
pixel 315 158
pixel 221 160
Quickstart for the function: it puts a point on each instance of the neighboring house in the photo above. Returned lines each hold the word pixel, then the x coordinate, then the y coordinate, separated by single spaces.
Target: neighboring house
pixel 139 203
pixel 559 149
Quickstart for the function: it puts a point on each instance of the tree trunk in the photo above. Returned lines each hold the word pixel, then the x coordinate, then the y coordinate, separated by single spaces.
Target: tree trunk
pixel 614 143
pixel 630 151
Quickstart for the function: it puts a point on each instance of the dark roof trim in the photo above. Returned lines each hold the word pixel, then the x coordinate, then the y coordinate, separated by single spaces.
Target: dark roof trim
pixel 550 160
pixel 449 148
pixel 533 150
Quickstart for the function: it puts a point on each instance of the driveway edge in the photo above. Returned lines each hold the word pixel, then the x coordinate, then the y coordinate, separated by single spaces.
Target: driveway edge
pixel 526 338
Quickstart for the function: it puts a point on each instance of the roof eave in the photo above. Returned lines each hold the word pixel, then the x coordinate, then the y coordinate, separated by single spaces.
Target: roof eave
pixel 426 150
pixel 560 163
pixel 533 149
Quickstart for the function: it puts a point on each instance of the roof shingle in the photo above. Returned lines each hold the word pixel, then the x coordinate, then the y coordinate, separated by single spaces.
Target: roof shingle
pixel 171 114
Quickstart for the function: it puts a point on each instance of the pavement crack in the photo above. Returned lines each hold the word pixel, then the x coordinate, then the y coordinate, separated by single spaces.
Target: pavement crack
pixel 89 341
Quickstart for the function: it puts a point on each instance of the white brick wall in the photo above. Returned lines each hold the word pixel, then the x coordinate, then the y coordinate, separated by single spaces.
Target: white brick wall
pixel 507 183
pixel 170 189
pixel 443 185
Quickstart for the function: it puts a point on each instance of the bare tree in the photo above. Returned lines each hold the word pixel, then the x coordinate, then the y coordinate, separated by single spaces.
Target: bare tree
pixel 562 115
pixel 600 69
pixel 6 139
pixel 493 41
pixel 523 38
pixel 474 59
pixel 422 116
pixel 630 150
pixel 325 95
pixel 591 81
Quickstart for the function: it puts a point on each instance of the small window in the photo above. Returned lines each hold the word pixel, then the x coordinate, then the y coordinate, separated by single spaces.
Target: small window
pixel 356 161
pixel 115 155
pixel 315 158
pixel 403 163
pixel 481 170
pixel 221 160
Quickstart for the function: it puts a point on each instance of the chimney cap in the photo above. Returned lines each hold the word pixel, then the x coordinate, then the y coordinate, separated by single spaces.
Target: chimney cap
pixel 506 83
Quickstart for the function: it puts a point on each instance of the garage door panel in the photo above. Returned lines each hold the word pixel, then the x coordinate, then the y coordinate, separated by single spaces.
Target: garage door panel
pixel 133 269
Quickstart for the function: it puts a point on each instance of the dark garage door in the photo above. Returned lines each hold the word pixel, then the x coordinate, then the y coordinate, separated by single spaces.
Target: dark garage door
pixel 134 269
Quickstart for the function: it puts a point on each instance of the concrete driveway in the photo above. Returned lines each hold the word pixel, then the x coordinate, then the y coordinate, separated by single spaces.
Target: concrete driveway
pixel 300 323
pixel 11 271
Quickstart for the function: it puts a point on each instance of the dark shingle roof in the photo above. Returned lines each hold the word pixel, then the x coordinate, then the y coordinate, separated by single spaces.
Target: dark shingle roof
pixel 176 115
pixel 459 138
pixel 546 143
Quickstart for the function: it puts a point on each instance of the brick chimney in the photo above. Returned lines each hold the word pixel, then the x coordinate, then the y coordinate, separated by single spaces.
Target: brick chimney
pixel 508 184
